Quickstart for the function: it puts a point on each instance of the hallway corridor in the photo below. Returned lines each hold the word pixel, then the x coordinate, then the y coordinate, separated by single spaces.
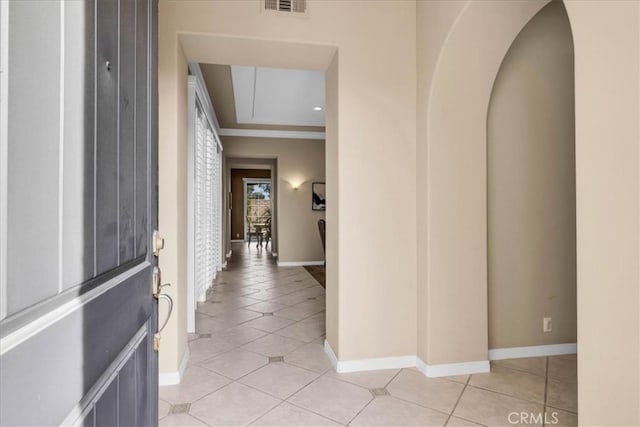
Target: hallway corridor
pixel 257 358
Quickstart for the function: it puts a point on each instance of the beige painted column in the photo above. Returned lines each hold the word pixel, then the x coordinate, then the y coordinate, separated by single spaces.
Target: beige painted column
pixel 452 188
pixel 607 65
pixel 172 203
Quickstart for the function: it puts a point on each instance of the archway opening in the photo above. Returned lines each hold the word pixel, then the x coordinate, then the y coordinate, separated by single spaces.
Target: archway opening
pixel 531 206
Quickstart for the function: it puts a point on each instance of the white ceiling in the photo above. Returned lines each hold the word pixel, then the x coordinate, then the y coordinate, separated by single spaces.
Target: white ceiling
pixel 275 96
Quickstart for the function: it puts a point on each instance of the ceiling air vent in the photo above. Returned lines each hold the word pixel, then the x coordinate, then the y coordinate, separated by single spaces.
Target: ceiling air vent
pixel 299 6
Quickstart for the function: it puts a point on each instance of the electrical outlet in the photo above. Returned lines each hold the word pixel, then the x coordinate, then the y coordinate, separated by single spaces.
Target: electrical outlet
pixel 547 324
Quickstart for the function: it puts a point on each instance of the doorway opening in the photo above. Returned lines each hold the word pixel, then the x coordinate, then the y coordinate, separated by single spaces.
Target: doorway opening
pixel 239 179
pixel 257 210
pixel 531 209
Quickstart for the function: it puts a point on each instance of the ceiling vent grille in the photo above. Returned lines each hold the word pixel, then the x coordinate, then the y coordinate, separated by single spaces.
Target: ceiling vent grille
pixel 298 6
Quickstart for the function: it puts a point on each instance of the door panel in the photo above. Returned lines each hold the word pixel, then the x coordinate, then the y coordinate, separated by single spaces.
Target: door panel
pixel 78 156
pixel 146 397
pixel 33 221
pixel 107 407
pixel 127 147
pixel 78 348
pixel 107 136
pixel 126 389
pixel 142 130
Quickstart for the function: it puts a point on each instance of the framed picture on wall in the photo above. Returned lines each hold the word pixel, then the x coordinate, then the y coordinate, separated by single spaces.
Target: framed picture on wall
pixel 318 196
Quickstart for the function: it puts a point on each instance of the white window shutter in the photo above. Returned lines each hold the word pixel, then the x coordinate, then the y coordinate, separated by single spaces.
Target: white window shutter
pixel 199 208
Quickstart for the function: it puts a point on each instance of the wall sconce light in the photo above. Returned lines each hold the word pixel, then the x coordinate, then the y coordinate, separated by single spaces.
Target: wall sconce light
pixel 296 183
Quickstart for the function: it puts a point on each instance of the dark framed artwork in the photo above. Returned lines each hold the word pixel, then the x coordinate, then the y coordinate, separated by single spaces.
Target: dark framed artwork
pixel 318 196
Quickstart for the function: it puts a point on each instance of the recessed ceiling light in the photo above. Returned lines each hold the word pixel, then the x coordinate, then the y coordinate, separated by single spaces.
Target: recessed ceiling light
pixel 317 108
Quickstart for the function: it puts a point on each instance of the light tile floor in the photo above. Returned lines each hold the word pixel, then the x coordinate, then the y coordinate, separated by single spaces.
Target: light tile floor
pixel 257 358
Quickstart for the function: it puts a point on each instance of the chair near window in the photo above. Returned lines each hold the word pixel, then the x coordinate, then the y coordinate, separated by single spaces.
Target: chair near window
pixel 267 232
pixel 262 232
pixel 254 230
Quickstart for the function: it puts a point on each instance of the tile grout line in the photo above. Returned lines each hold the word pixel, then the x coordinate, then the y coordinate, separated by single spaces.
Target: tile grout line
pixel 505 394
pixel 274 396
pixel 563 410
pixel 361 409
pixel 196 418
pixel 232 379
pixel 373 398
pixel 419 404
pixel 546 388
pixel 245 307
pixel 240 347
pixel 457 400
pixel 266 413
pixel 313 412
pixel 519 370
pixel 393 378
pixel 255 318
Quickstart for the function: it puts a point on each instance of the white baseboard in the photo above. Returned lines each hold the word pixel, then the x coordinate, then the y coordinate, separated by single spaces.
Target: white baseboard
pixel 448 369
pixel 298 263
pixel 533 351
pixel 173 378
pixel 398 362
pixel 375 364
pixel 331 355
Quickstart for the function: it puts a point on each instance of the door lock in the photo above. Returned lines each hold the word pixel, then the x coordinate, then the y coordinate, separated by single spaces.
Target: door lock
pixel 157 242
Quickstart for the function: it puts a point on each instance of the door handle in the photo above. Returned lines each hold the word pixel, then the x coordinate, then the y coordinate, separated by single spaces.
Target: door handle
pixel 170 302
pixel 156 280
pixel 156 291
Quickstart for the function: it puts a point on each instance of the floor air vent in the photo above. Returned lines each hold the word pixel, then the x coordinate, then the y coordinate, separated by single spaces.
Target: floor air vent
pixel 298 6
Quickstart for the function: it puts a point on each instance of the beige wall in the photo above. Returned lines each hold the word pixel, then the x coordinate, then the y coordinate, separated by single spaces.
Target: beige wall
pixel 375 105
pixel 531 187
pixel 607 66
pixel 172 204
pixel 300 162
